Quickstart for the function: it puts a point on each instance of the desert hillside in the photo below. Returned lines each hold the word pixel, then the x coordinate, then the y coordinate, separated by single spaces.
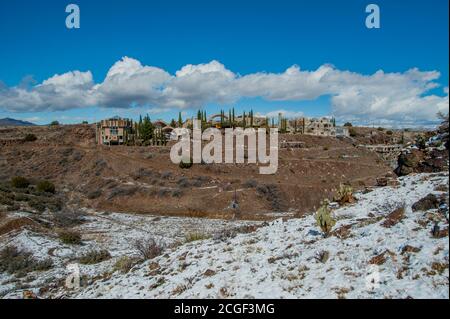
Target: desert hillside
pixel 144 180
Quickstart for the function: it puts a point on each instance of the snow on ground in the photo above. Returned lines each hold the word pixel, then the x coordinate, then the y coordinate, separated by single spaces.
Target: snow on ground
pixel 286 259
pixel 115 232
pixel 279 261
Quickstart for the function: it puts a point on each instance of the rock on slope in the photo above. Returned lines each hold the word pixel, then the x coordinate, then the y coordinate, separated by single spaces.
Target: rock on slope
pixel 377 251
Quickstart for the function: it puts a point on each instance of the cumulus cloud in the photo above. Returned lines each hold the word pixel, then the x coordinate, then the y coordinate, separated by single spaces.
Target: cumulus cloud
pixel 392 97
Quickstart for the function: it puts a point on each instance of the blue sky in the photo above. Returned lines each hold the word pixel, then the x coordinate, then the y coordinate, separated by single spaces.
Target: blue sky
pixel 247 37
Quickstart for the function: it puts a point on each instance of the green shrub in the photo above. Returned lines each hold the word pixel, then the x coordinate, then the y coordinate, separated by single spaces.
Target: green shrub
pixel 45 187
pixel 70 237
pixel 352 132
pixel 20 182
pixel 20 262
pixel 94 257
pixel 324 219
pixel 54 123
pixel 30 138
pixel 389 132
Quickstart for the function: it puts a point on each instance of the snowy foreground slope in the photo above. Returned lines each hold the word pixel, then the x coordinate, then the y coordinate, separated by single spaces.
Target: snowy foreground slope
pixel 282 259
pixel 363 258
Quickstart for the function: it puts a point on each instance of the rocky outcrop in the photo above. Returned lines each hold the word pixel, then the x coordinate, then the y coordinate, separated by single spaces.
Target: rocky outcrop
pixel 422 161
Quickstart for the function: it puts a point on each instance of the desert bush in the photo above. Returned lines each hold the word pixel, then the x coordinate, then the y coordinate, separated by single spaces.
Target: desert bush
pixel 30 138
pixel 324 219
pixel 177 193
pixel 20 182
pixel 45 187
pixel 195 236
pixel 124 264
pixel 123 191
pixel 344 194
pixel 6 199
pixel 70 237
pixel 77 156
pixel 183 182
pixel 94 194
pixel 389 132
pixel 20 262
pixel 94 257
pixel 148 248
pixel 352 132
pixel 166 175
pixel 38 204
pixel 68 218
pixel 272 194
pixel 163 192
pixel 199 181
pixel 421 142
pixel 251 183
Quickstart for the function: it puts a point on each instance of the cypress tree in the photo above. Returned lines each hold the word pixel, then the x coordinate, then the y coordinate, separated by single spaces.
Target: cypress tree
pixel 180 120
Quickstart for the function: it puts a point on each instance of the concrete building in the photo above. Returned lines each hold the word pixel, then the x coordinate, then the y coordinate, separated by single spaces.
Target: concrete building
pixel 114 131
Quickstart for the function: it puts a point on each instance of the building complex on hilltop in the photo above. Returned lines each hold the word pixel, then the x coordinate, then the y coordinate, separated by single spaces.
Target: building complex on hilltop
pixel 118 131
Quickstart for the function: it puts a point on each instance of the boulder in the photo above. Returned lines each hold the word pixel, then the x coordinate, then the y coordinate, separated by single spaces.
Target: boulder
pixel 428 202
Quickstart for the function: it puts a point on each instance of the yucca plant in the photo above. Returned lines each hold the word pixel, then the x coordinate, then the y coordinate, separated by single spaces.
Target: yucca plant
pixel 324 219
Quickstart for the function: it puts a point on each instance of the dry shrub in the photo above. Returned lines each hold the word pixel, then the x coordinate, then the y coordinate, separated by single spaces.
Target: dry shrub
pixel 251 183
pixel 20 262
pixel 20 182
pixel 272 194
pixel 94 257
pixel 45 187
pixel 68 218
pixel 70 237
pixel 124 264
pixel 344 195
pixel 148 248
pixel 195 236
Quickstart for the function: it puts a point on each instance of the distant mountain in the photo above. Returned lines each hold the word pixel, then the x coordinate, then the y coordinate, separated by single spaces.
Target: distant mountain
pixel 12 122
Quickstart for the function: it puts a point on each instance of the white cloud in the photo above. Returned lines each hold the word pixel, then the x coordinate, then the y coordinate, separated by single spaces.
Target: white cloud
pixel 390 97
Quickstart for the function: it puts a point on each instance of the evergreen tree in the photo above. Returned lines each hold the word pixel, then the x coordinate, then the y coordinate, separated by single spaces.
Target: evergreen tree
pixel 146 130
pixel 139 125
pixel 180 120
pixel 233 118
pixel 173 123
pixel 251 118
